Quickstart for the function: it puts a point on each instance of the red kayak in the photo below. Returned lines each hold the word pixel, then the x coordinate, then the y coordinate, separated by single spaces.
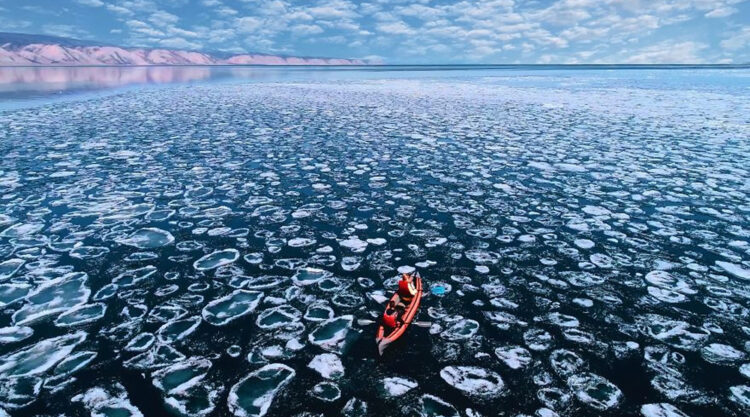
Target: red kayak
pixel 386 337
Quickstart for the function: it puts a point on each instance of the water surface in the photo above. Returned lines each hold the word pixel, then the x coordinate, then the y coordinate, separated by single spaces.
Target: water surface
pixel 207 246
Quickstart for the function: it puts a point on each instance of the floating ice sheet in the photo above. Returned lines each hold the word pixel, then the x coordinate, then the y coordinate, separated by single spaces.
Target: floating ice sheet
pixel 474 381
pixel 231 307
pixel 331 334
pixel 254 394
pixel 39 357
pixel 328 365
pixel 216 259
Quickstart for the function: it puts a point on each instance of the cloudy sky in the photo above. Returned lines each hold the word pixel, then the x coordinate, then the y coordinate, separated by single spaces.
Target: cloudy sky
pixel 410 31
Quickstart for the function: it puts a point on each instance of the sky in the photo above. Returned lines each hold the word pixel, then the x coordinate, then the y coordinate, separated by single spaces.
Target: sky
pixel 409 31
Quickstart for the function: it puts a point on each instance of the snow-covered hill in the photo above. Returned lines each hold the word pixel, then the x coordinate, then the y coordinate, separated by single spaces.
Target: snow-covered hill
pixel 22 49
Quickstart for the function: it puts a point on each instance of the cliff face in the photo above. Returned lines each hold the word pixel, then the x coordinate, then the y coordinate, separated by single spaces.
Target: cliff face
pixel 19 49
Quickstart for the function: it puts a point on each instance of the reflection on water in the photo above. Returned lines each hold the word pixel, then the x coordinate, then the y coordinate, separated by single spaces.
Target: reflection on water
pixel 63 78
pixel 37 82
pixel 22 86
pixel 19 85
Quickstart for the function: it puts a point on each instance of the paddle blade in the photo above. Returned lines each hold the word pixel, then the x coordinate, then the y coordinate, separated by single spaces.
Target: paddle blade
pixel 422 323
pixel 380 299
pixel 381 347
pixel 365 322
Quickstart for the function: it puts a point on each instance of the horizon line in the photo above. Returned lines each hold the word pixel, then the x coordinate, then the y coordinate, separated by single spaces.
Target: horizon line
pixel 343 66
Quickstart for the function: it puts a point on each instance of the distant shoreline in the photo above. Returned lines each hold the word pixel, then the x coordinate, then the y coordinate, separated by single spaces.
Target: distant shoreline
pixel 405 66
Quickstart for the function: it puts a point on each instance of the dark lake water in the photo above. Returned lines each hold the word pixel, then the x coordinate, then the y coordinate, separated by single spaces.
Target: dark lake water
pixel 208 241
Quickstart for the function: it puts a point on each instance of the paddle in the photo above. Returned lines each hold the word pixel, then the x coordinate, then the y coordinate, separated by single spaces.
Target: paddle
pixel 380 299
pixel 367 322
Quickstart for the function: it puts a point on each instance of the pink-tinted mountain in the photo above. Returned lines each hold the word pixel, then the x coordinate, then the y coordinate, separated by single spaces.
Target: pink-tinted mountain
pixel 17 49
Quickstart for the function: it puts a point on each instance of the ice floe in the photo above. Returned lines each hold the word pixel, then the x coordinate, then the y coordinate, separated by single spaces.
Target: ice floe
pixel 74 363
pixel 40 357
pixel 216 259
pixel 276 317
pixel 14 334
pixel 462 329
pixel 595 391
pixel 516 357
pixel 326 391
pixel 675 333
pixel 53 297
pixel 231 307
pixel 309 276
pixel 397 386
pixel 81 314
pixel 432 406
pixel 181 376
pixel 331 334
pixel 474 381
pixel 328 365
pixel 722 354
pixel 661 410
pixel 254 394
pixel 736 270
pixel 177 330
pixel 10 267
pixel 148 238
pixel 109 401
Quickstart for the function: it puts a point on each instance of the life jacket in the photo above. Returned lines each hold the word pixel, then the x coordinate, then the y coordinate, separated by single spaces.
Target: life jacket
pixel 390 319
pixel 405 289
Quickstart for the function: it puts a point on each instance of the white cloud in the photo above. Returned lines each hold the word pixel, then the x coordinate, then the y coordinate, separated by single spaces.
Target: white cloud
pixel 175 31
pixel 490 30
pixel 738 41
pixel 248 24
pixel 668 53
pixel 544 37
pixel 140 6
pixel 333 9
pixel 14 24
pixel 299 15
pixel 220 35
pixel 395 28
pixel 420 12
pixel 584 34
pixel 179 43
pixel 142 28
pixel 721 12
pixel 162 18
pixel 226 11
pixel 119 10
pixel 374 59
pixel 302 29
pixel 68 31
pixel 91 3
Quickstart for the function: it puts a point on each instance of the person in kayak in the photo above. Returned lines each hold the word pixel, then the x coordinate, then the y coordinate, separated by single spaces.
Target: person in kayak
pixel 406 288
pixel 391 316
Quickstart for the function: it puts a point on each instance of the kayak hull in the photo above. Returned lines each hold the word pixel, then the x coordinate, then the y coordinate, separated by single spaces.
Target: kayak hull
pixel 384 338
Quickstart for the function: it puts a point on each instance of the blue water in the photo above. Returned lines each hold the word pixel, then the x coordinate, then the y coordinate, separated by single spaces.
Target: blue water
pixel 213 241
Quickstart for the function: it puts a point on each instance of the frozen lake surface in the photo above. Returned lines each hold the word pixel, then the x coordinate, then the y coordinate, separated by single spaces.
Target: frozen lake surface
pixel 207 249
